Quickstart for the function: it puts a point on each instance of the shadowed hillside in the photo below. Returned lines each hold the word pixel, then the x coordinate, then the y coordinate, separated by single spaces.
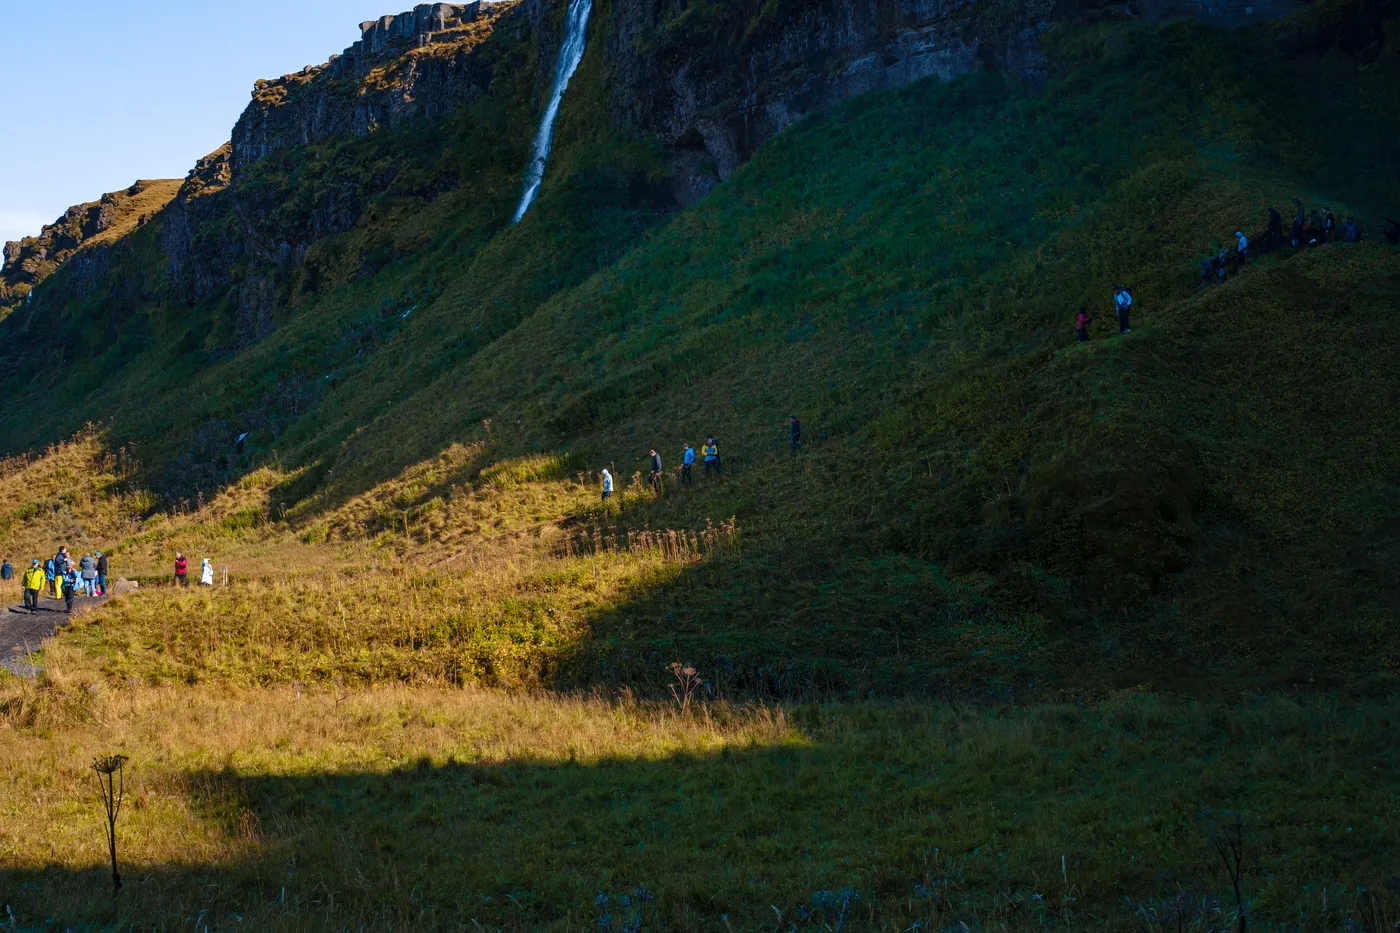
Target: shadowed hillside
pixel 978 500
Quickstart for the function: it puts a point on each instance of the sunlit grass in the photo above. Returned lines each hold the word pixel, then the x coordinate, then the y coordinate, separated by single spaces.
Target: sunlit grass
pixel 328 809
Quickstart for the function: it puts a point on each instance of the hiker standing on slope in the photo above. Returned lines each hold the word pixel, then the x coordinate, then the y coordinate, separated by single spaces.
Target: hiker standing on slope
pixel 1122 304
pixel 70 588
pixel 687 465
pixel 206 573
pixel 710 453
pixel 87 570
pixel 607 485
pixel 1081 325
pixel 656 472
pixel 50 576
pixel 6 571
pixel 182 567
pixel 33 582
pixel 101 574
pixel 1275 229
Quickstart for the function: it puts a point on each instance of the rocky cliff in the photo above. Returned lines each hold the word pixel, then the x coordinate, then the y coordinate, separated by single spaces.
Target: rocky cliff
pixel 711 80
pixel 83 227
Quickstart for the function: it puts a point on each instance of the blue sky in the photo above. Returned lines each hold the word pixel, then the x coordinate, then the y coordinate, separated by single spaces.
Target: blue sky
pixel 99 93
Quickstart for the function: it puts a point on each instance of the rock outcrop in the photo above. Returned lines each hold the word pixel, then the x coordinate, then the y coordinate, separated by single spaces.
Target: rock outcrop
pixel 766 65
pixel 81 230
pixel 419 64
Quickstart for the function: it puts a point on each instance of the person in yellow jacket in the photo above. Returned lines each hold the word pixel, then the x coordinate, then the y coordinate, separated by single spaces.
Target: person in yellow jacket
pixel 34 580
pixel 710 455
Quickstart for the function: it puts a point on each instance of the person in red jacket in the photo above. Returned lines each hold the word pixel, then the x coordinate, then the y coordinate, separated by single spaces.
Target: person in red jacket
pixel 182 567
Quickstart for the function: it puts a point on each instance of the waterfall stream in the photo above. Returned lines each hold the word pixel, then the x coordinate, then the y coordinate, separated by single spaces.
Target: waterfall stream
pixel 570 54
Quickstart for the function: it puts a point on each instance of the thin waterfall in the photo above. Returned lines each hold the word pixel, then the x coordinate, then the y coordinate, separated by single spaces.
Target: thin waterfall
pixel 570 54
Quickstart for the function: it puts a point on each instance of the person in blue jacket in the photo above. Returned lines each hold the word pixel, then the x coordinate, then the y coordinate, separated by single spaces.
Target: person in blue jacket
pixel 687 464
pixel 70 584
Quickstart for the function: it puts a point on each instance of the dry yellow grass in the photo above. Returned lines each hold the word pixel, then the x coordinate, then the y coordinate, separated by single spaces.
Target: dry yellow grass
pixel 295 809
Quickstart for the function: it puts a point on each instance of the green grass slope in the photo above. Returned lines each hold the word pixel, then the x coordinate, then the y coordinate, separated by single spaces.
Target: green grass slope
pixel 980 501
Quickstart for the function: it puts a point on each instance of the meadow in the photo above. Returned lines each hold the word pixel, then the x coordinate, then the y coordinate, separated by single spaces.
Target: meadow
pixel 467 808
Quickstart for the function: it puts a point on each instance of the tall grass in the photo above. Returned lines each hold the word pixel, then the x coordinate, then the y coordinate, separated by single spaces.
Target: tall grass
pixel 305 808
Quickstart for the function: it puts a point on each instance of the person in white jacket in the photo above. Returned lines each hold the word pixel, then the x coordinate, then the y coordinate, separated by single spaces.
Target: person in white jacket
pixel 206 573
pixel 607 485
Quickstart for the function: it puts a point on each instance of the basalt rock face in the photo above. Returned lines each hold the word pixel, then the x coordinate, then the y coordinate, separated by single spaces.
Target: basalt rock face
pixel 764 65
pixel 78 236
pixel 404 69
pixel 714 103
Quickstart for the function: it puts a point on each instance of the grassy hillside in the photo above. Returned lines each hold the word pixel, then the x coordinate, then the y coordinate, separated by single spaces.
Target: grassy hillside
pixel 980 502
pixel 1152 579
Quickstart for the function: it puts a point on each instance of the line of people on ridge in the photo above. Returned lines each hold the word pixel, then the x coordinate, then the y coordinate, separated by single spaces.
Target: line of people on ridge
pixel 61 577
pixel 1308 229
pixel 709 458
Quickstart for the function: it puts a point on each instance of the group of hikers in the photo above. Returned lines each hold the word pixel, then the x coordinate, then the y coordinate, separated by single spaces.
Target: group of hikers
pixel 709 458
pixel 182 571
pixel 1308 229
pixel 1122 311
pixel 61 577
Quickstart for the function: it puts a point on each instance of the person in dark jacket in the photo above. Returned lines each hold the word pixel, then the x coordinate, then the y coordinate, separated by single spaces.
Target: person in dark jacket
pixel 6 571
pixel 794 433
pixel 656 472
pixel 1275 229
pixel 101 574
pixel 182 569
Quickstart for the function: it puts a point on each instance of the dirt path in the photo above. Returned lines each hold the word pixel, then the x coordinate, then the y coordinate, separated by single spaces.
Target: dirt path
pixel 23 632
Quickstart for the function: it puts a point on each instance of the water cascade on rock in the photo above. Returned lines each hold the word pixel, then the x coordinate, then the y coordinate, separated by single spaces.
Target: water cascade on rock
pixel 570 54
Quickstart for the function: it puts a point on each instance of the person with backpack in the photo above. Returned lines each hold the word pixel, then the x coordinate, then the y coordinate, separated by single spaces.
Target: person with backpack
pixel 101 574
pixel 50 576
pixel 34 580
pixel 687 465
pixel 87 572
pixel 70 584
pixel 1081 325
pixel 1122 305
pixel 607 485
pixel 710 454
pixel 794 433
pixel 182 567
pixel 656 472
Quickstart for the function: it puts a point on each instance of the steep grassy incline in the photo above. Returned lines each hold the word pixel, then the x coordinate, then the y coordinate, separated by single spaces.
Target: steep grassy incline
pixel 979 500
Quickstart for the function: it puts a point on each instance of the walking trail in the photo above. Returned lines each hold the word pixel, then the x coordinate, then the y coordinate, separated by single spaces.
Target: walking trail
pixel 23 632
